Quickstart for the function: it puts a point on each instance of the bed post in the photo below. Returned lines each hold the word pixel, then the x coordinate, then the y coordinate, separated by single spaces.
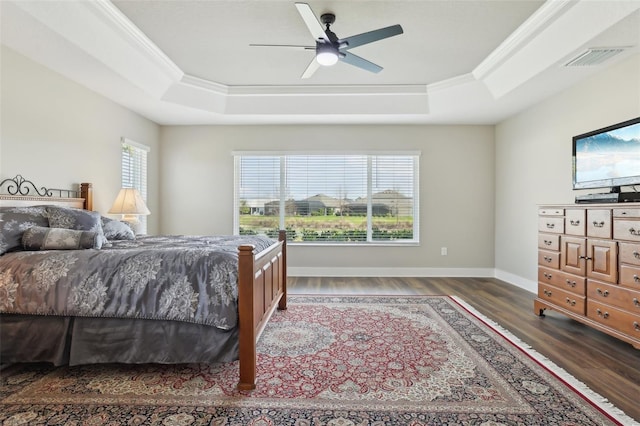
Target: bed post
pixel 262 288
pixel 86 192
pixel 282 236
pixel 247 327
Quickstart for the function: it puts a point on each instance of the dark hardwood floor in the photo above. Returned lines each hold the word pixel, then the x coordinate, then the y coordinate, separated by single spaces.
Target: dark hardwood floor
pixel 606 365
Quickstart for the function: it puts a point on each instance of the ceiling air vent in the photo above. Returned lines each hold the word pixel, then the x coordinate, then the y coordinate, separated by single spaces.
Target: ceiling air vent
pixel 594 56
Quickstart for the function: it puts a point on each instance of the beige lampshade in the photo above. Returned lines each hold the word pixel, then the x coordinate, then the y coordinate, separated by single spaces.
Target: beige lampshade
pixel 129 202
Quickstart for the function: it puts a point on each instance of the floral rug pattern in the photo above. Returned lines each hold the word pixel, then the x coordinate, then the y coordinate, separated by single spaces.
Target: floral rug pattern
pixel 336 361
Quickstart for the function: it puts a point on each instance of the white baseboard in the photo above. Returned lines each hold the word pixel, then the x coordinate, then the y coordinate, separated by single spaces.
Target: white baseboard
pixel 518 281
pixel 507 277
pixel 390 272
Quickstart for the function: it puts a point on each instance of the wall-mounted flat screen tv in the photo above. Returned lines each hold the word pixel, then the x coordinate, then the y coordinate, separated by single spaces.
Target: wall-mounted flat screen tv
pixel 608 157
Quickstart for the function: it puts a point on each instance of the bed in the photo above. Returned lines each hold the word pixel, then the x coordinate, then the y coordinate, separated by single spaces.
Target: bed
pixel 146 299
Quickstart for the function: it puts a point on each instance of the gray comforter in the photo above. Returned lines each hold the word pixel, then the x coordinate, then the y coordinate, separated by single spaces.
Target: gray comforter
pixel 182 278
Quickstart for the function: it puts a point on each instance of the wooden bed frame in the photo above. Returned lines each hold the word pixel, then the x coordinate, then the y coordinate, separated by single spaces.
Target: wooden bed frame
pixel 262 277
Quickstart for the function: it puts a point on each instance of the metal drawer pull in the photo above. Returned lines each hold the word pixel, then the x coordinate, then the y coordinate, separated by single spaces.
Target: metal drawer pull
pixel 571 283
pixel 571 302
pixel 635 232
pixel 547 276
pixel 604 315
pixel 547 242
pixel 598 224
pixel 603 293
pixel 551 225
pixel 636 325
pixel 636 302
pixel 548 259
pixel 636 278
pixel 584 257
pixel 574 222
pixel 636 255
pixel 547 293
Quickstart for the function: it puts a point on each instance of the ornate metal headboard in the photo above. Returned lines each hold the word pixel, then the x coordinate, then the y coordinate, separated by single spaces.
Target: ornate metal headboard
pixel 19 191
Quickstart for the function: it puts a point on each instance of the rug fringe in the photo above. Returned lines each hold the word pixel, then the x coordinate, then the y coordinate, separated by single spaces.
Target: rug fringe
pixel 592 396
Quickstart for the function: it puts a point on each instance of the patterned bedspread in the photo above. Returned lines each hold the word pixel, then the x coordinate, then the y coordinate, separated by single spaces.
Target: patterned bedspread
pixel 182 278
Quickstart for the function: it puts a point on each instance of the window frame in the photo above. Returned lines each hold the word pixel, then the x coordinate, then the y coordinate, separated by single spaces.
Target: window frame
pixel 415 241
pixel 138 182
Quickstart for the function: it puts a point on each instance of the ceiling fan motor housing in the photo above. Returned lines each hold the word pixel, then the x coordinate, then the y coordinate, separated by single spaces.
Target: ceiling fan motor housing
pixel 328 18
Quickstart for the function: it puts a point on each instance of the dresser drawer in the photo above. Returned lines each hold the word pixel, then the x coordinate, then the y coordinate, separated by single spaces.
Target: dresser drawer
pixel 629 253
pixel 627 212
pixel 630 276
pixel 550 211
pixel 626 229
pixel 599 223
pixel 613 317
pixel 563 280
pixel 561 298
pixel 550 259
pixel 549 241
pixel 614 295
pixel 574 222
pixel 554 225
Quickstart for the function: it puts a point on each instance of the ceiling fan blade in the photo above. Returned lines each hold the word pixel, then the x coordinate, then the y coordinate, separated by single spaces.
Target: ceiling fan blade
pixel 312 68
pixel 359 62
pixel 371 36
pixel 315 27
pixel 295 46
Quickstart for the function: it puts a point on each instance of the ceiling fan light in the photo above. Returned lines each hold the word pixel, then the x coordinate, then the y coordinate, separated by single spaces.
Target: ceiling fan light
pixel 327 58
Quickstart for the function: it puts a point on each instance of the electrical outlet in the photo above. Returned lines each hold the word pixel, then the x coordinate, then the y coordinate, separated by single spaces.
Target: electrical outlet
pixel 443 251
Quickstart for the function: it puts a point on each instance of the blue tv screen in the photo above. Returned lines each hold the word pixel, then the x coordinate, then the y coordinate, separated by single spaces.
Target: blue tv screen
pixel 608 157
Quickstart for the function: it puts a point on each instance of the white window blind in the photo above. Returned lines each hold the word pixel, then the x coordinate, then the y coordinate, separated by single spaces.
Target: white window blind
pixel 336 198
pixel 134 171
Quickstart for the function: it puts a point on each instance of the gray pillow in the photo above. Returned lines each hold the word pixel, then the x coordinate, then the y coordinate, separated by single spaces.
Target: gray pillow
pixel 117 230
pixel 40 238
pixel 77 219
pixel 14 221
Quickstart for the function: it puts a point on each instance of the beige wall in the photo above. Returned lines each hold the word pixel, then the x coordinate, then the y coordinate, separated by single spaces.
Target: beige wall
pixel 58 133
pixel 533 160
pixel 456 191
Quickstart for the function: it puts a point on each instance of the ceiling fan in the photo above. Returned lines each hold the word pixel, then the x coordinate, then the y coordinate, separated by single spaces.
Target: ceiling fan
pixel 329 48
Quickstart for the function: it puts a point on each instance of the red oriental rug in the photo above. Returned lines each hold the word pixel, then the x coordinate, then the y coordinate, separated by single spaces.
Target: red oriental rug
pixel 427 360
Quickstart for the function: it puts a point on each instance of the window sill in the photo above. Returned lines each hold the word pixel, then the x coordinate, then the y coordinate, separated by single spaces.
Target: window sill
pixel 353 244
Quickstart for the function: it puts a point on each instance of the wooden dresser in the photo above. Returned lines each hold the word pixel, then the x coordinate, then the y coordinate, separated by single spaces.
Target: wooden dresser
pixel 589 266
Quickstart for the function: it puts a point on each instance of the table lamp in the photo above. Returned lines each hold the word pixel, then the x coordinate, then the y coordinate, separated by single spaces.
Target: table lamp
pixel 130 205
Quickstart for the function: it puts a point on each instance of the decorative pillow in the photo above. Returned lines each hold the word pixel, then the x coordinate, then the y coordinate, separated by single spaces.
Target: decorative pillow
pixel 14 221
pixel 40 238
pixel 117 230
pixel 78 219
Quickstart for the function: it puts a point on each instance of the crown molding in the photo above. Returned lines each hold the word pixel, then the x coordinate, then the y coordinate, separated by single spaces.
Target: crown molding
pixel 451 83
pixel 218 98
pixel 536 23
pixel 310 90
pixel 557 31
pixel 100 31
pixel 207 85
pixel 135 37
pixel 302 90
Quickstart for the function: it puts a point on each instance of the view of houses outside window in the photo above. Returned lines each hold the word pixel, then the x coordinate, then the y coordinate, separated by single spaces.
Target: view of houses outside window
pixel 328 198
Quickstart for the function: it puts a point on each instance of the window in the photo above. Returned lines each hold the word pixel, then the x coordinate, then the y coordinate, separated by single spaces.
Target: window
pixel 134 172
pixel 336 198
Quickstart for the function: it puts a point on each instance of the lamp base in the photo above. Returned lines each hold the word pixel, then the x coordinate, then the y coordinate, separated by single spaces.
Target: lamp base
pixel 133 221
